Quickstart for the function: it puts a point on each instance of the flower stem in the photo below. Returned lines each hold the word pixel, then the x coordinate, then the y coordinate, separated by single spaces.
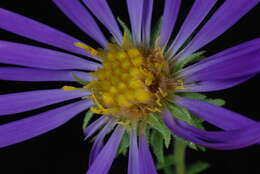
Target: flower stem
pixel 179 156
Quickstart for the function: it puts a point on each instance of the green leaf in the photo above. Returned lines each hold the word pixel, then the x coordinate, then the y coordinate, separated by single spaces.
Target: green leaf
pixel 126 30
pixel 155 122
pixel 156 141
pixel 79 80
pixel 197 168
pixel 189 60
pixel 124 144
pixel 87 118
pixel 156 33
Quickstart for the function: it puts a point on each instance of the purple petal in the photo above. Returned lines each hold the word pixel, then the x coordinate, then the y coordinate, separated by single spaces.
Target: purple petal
pixel 239 61
pixel 215 85
pixel 105 158
pixel 223 140
pixel 74 10
pixel 226 16
pixel 27 128
pixel 146 160
pixel 198 12
pixel 93 127
pixel 135 11
pixel 25 101
pixel 102 11
pixel 133 160
pixel 230 68
pixel 147 19
pixel 99 142
pixel 34 30
pixel 26 55
pixel 37 75
pixel 215 115
pixel 171 10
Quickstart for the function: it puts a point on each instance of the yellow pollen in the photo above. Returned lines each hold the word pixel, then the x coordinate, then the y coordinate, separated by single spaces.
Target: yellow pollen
pixel 164 94
pixel 88 49
pixel 180 85
pixel 133 52
pixel 130 84
pixel 135 72
pixel 99 110
pixel 69 88
pixel 142 95
pixel 121 55
pixel 123 123
pixel 137 61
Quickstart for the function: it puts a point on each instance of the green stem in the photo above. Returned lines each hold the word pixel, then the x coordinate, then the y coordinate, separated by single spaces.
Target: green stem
pixel 179 156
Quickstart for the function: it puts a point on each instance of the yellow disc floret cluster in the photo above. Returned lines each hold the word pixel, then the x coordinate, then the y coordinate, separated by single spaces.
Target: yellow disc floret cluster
pixel 132 82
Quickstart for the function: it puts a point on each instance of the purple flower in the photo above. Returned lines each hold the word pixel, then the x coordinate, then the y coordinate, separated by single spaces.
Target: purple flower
pixel 142 80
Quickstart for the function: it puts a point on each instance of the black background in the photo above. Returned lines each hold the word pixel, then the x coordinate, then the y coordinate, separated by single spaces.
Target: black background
pixel 63 150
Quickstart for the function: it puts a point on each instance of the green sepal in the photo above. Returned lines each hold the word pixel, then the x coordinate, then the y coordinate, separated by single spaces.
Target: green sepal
pixel 155 122
pixel 126 30
pixel 155 35
pixel 189 60
pixel 201 97
pixel 87 118
pixel 79 80
pixel 197 168
pixel 180 113
pixel 217 101
pixel 193 95
pixel 168 161
pixel 124 144
pixel 184 115
pixel 156 141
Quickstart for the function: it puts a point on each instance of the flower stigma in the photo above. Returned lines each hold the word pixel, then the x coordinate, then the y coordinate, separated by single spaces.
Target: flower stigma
pixel 133 81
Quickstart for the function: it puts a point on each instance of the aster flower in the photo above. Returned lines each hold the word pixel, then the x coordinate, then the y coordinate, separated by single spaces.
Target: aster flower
pixel 142 84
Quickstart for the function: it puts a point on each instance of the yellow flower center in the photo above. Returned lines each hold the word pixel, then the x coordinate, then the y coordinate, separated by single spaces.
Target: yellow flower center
pixel 132 82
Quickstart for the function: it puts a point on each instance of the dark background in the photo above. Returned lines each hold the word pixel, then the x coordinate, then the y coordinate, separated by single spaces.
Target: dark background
pixel 63 150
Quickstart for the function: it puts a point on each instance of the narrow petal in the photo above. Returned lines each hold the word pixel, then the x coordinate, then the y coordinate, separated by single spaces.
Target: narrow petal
pixel 223 140
pixel 198 12
pixel 226 16
pixel 239 61
pixel 218 116
pixel 105 158
pixel 215 85
pixel 230 68
pixel 133 157
pixel 147 19
pixel 135 11
pixel 99 142
pixel 26 55
pixel 146 160
pixel 21 130
pixel 171 10
pixel 25 101
pixel 34 30
pixel 74 10
pixel 102 11
pixel 93 127
pixel 38 75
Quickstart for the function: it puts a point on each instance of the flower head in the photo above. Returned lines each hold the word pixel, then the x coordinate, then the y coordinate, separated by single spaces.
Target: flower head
pixel 146 84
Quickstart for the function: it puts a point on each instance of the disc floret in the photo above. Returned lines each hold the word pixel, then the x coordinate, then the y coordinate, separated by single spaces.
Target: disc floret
pixel 133 81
